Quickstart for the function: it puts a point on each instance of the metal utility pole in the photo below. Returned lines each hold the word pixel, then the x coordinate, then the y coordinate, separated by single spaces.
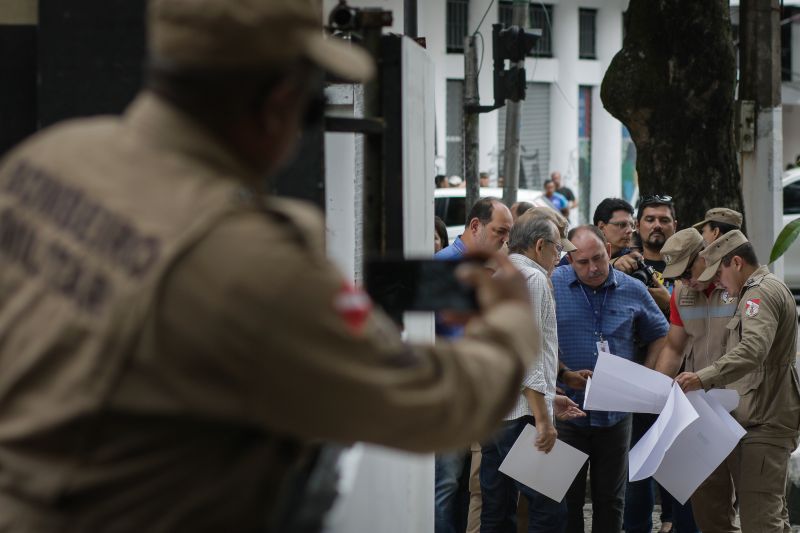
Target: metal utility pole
pixel 471 121
pixel 760 124
pixel 514 120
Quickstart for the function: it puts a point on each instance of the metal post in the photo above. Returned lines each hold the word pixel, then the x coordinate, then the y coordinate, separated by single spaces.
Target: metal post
pixel 471 120
pixel 761 161
pixel 374 227
pixel 514 120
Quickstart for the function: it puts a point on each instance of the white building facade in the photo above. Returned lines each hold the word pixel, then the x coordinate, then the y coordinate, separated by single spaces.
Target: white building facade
pixel 564 124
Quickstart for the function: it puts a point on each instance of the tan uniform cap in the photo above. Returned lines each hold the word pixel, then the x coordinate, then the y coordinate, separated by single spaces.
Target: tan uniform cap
pixel 721 214
pixel 679 249
pixel 248 34
pixel 719 249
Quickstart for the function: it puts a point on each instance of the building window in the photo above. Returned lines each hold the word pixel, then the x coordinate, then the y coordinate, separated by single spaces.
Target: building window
pixel 456 25
pixel 587 48
pixel 584 147
pixel 454 124
pixel 540 16
pixel 534 138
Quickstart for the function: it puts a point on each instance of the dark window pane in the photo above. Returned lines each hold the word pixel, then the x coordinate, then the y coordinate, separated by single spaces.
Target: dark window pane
pixel 457 11
pixel 451 210
pixel 791 199
pixel 540 16
pixel 587 34
pixel 454 124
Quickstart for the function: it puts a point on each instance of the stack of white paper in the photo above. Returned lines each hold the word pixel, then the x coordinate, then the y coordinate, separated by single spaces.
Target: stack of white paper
pixel 646 457
pixel 621 385
pixel 700 448
pixel 551 473
pixel 692 435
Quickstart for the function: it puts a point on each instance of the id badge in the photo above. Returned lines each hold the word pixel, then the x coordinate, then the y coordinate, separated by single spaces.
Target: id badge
pixel 602 347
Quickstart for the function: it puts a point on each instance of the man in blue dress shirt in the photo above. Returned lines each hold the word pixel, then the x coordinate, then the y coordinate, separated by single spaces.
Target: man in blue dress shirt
pixel 598 307
pixel 488 226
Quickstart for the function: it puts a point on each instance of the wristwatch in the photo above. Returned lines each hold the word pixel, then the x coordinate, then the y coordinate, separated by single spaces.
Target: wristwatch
pixel 561 373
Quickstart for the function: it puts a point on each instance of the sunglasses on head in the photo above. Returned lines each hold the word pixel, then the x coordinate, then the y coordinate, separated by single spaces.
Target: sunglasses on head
pixel 655 199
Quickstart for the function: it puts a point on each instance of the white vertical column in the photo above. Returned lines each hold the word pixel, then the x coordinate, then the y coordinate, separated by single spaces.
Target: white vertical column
pixel 762 187
pixel 564 96
pixel 606 130
pixel 340 184
pixel 431 24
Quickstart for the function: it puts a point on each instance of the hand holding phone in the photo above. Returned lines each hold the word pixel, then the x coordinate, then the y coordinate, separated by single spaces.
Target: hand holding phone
pixel 462 286
pixel 400 285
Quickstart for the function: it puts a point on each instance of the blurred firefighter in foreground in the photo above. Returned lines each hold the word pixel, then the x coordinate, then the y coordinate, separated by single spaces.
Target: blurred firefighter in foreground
pixel 173 348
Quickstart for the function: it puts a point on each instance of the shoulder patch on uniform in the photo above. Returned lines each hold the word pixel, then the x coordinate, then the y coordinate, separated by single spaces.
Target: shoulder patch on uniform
pixel 751 307
pixel 354 306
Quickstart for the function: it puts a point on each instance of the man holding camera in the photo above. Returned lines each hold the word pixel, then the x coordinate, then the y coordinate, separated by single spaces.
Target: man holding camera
pixel 655 220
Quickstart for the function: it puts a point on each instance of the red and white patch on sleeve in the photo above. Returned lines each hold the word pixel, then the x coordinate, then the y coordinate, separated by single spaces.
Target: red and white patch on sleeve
pixel 354 306
pixel 751 307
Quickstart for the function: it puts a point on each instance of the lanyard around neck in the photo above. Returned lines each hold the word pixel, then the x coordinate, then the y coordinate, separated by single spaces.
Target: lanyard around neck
pixel 597 316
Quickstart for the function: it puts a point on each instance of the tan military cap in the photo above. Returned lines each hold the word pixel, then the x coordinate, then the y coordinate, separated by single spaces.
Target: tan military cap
pixel 721 214
pixel 717 250
pixel 248 34
pixel 679 249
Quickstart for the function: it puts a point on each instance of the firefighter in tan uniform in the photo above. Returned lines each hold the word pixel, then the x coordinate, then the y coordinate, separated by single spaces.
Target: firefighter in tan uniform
pixel 759 364
pixel 173 348
pixel 699 314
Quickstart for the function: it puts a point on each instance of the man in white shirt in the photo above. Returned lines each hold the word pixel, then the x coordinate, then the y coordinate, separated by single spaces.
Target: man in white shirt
pixel 535 247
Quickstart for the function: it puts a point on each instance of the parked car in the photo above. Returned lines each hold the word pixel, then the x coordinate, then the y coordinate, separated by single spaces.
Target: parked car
pixel 449 205
pixel 791 211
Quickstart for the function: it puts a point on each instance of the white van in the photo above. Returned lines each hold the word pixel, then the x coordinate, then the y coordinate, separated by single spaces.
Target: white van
pixel 791 210
pixel 449 205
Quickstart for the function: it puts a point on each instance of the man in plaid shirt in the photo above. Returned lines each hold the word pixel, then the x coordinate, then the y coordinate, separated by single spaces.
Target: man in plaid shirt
pixel 535 246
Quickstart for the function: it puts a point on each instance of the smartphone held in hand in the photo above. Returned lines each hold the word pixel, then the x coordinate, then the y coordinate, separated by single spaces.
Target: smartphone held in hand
pixel 400 285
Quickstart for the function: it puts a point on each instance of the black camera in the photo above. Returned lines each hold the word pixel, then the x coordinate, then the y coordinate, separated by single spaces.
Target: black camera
pixel 645 273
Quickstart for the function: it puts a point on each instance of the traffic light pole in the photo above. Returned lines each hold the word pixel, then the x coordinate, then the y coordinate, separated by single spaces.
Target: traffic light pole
pixel 469 135
pixel 514 120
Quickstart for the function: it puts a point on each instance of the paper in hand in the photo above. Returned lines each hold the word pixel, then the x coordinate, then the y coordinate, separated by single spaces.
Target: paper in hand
pixel 551 473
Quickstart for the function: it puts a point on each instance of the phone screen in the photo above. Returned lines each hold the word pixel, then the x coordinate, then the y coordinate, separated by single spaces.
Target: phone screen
pixel 400 285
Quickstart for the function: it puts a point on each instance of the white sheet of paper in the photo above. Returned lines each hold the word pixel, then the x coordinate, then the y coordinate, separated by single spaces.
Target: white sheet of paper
pixel 700 448
pixel 622 385
pixel 645 458
pixel 551 473
pixel 728 398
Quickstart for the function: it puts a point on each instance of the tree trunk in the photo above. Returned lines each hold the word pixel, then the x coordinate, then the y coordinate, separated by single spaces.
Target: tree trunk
pixel 672 85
